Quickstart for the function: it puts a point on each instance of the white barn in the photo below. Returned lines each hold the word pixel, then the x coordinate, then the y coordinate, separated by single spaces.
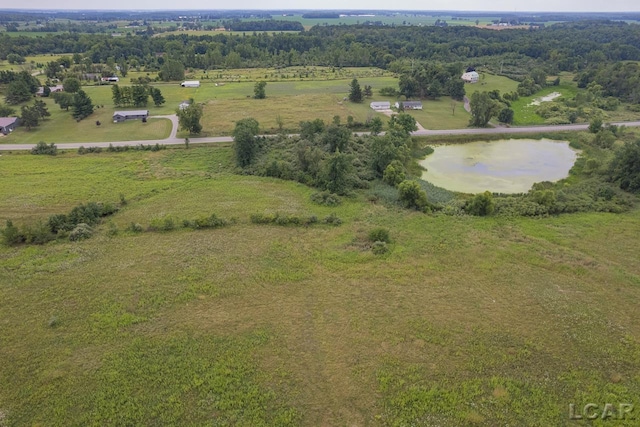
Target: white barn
pixel 190 83
pixel 471 77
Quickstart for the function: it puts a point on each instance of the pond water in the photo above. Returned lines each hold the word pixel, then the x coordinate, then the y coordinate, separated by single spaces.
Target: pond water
pixel 504 166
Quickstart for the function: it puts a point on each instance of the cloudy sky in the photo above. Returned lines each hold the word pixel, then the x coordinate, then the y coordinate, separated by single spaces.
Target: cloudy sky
pixel 472 5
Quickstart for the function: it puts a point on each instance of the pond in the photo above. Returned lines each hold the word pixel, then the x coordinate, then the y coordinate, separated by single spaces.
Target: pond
pixel 504 166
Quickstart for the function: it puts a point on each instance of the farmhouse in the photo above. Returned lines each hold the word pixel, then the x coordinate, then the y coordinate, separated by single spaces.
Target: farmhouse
pixel 8 124
pixel 471 77
pixel 190 83
pixel 409 105
pixel 380 105
pixel 110 79
pixel 121 116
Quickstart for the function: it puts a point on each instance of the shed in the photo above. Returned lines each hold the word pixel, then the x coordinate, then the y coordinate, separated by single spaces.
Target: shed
pixel 8 124
pixel 380 105
pixel 190 83
pixel 121 116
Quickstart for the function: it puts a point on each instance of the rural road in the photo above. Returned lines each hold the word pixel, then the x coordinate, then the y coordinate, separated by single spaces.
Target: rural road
pixel 173 140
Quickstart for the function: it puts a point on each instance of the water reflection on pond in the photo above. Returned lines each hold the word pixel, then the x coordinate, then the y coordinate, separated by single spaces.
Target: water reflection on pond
pixel 504 166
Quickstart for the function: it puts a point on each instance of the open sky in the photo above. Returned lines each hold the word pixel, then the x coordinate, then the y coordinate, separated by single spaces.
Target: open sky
pixel 467 5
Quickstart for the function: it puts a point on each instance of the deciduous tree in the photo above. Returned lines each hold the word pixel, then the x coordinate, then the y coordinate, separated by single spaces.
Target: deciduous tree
pixel 189 118
pixel 259 91
pixel 482 109
pixel 244 141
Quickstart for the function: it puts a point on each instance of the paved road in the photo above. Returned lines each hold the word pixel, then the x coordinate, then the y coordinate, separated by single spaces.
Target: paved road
pixel 172 140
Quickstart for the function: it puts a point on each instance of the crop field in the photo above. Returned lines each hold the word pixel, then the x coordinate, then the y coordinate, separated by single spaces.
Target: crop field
pixel 466 321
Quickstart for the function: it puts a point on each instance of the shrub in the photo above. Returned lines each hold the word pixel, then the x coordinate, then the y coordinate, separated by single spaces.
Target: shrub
pixel 379 248
pixel 379 235
pixel 326 198
pixel 53 322
pixel 82 231
pixel 134 227
pixel 44 148
pixel 87 150
pixel 412 195
pixel 38 233
pixel 112 230
pixel 481 204
pixel 332 219
pixel 164 223
pixel 59 222
pixel 11 235
pixel 209 222
pixel 394 173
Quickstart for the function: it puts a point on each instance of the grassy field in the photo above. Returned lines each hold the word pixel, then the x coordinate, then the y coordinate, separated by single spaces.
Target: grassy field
pixel 467 321
pixel 491 82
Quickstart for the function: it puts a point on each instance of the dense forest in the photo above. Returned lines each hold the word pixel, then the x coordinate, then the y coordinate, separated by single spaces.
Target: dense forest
pixel 563 47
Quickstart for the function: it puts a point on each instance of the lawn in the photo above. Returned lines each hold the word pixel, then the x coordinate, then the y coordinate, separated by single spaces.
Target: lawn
pixel 467 321
pixel 61 127
pixel 489 82
pixel 442 113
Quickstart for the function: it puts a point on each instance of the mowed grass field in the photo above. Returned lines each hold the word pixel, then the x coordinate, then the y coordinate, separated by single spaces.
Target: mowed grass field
pixel 467 321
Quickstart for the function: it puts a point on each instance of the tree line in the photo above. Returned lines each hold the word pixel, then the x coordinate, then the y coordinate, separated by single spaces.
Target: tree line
pixel 563 47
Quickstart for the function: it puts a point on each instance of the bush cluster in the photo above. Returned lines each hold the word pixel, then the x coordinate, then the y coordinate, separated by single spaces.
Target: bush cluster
pixel 326 198
pixel 76 225
pixel 212 221
pixel 379 235
pixel 140 147
pixel 282 219
pixel 44 148
pixel 170 223
pixel 88 150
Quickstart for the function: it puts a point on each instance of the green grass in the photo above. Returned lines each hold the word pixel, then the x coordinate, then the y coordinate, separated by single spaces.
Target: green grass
pixel 489 82
pixel 467 321
pixel 443 113
pixel 62 127
pixel 525 113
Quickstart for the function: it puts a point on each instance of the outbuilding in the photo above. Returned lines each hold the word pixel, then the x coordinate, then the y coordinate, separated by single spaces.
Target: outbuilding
pixel 121 116
pixel 190 83
pixel 8 124
pixel 380 105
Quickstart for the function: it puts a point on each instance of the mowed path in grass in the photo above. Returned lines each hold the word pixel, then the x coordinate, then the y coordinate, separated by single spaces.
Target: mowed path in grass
pixel 467 321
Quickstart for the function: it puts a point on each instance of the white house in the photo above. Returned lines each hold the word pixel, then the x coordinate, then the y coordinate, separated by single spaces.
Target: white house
pixel 184 104
pixel 380 105
pixel 471 77
pixel 190 83
pixel 110 79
